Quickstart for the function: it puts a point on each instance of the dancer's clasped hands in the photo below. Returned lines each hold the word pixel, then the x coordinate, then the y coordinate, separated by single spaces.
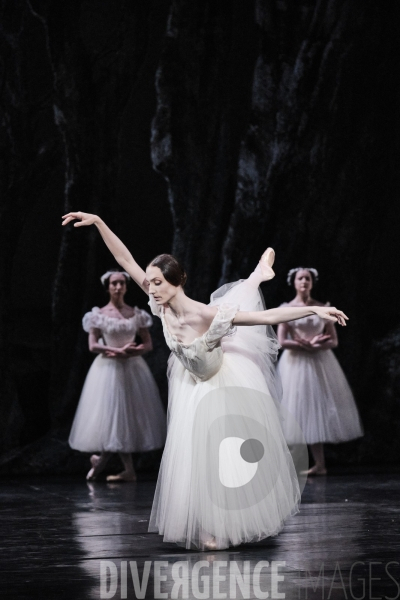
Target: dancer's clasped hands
pixel 126 351
pixel 313 345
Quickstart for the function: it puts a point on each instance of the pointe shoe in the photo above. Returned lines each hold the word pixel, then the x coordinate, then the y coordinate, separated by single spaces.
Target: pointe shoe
pixel 124 476
pixel 265 265
pixel 90 476
pixel 268 258
pixel 208 541
pixel 211 545
pixel 313 472
pixel 94 460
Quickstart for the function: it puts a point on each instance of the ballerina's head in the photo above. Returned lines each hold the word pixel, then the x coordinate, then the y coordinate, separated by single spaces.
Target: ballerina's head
pixel 115 282
pixel 302 278
pixel 166 278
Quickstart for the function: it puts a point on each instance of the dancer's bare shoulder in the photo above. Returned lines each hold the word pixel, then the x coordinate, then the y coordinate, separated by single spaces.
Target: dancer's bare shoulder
pixel 208 312
pixel 202 315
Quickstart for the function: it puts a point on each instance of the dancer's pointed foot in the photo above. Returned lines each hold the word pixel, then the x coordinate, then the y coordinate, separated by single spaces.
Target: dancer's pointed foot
pixel 90 476
pixel 94 460
pixel 314 471
pixel 263 271
pixel 208 541
pixel 265 264
pixel 211 545
pixel 124 476
pixel 268 257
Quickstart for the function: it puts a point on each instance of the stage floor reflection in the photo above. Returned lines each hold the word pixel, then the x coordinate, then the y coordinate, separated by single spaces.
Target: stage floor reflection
pixel 65 538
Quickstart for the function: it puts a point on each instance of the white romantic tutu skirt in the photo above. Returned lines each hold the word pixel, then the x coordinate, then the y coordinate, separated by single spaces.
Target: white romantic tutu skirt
pixel 204 487
pixel 317 394
pixel 120 408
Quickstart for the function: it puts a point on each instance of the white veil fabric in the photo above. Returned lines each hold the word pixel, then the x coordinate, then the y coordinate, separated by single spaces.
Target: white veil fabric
pixel 258 342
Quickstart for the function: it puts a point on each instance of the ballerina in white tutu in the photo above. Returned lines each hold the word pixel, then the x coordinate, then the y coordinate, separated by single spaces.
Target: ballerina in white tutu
pixel 218 484
pixel 120 409
pixel 315 389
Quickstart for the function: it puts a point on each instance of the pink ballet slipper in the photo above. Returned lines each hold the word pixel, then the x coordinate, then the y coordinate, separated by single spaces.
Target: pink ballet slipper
pixel 263 271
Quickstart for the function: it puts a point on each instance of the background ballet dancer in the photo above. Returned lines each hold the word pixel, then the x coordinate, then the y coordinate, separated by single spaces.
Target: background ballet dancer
pixel 315 389
pixel 120 409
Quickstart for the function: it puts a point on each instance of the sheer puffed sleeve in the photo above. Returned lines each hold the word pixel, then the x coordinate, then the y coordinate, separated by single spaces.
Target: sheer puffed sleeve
pixel 92 319
pixel 155 309
pixel 221 325
pixel 143 318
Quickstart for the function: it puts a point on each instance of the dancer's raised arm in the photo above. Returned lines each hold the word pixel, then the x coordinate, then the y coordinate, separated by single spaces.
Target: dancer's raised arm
pixel 283 314
pixel 114 244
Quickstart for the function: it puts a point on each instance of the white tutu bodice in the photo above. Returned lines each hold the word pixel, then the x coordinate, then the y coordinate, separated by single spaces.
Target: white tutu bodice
pixel 116 332
pixel 120 409
pixel 203 357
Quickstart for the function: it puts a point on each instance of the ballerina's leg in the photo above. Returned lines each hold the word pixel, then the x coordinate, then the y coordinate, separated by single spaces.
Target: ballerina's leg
pixel 317 450
pixel 129 473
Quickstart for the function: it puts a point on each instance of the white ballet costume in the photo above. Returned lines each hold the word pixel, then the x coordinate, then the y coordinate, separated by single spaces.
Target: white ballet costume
pixel 120 409
pixel 316 391
pixel 226 373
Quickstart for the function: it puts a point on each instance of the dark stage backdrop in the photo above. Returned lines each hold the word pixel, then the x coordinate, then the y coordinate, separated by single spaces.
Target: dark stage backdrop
pixel 213 130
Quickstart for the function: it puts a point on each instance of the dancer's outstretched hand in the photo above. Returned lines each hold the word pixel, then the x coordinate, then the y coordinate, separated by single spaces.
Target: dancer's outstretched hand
pixel 81 218
pixel 331 314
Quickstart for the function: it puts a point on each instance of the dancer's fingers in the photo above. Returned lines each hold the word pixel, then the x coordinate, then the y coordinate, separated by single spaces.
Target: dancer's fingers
pixel 70 217
pixel 73 215
pixel 340 312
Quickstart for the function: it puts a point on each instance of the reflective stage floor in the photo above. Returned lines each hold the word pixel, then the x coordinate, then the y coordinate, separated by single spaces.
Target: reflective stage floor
pixel 65 538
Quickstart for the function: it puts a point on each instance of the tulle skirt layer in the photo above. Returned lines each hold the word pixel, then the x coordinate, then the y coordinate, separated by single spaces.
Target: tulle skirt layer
pixel 120 409
pixel 317 394
pixel 226 470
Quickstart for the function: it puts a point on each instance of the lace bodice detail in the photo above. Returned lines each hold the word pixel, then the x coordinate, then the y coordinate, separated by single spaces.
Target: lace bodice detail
pixel 116 332
pixel 307 327
pixel 203 357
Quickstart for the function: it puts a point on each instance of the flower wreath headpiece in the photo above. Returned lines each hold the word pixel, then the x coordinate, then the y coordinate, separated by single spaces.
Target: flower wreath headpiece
pixel 292 271
pixel 109 273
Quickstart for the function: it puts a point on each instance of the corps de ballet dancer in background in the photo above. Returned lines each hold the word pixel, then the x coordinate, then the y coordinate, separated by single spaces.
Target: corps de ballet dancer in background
pixel 315 389
pixel 120 410
pixel 224 346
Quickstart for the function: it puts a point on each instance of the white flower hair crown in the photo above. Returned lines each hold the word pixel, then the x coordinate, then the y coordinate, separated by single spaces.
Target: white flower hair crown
pixel 293 271
pixel 104 277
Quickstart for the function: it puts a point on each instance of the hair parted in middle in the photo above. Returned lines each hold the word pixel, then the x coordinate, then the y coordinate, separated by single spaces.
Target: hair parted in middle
pixel 170 267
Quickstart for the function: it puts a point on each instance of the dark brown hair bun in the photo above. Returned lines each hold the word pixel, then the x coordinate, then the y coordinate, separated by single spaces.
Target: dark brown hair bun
pixel 170 268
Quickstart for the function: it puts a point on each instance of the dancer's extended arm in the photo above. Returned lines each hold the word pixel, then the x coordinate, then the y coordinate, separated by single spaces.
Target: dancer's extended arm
pixel 114 244
pixel 283 314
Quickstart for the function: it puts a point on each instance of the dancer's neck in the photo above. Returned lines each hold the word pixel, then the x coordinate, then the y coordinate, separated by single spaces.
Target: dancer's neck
pixel 180 304
pixel 303 298
pixel 117 303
